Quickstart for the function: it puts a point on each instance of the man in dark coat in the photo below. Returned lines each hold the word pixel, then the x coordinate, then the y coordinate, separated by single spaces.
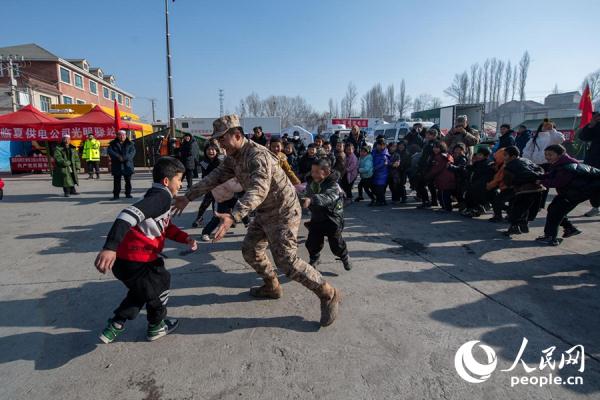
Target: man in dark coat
pixel 67 167
pixel 416 136
pixel 121 151
pixel 357 139
pixel 259 137
pixel 523 136
pixel 506 138
pixel 189 153
pixel 591 134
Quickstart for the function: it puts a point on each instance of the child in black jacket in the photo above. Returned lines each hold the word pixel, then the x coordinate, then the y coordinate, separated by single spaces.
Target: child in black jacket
pixel 324 200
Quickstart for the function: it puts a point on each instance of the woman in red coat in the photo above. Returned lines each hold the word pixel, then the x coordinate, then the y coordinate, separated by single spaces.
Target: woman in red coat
pixel 443 178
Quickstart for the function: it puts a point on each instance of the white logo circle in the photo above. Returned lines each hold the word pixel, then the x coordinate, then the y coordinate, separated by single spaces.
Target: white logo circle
pixel 471 370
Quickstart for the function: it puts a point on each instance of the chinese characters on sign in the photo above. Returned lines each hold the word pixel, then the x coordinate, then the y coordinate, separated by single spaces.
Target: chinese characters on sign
pixel 360 122
pixel 20 134
pixel 29 164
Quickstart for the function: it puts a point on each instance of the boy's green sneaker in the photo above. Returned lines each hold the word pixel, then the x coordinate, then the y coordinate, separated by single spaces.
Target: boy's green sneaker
pixel 110 333
pixel 163 328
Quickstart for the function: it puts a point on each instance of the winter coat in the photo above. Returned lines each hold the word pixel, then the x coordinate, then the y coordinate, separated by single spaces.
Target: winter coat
pixel 469 138
pixel 414 137
pixel 402 169
pixel 381 160
pixel 443 178
pixel 534 150
pixel 292 159
pixel 287 169
pixel 365 166
pixel 327 204
pixel 591 135
pixel 479 173
pixel 506 140
pixel 522 174
pixel 358 143
pixel 498 180
pixel 91 150
pixel 351 167
pixel 340 164
pixel 67 166
pixel 207 165
pixel 305 165
pixel 260 140
pixel 569 175
pixel 121 157
pixel 189 153
pixel 522 139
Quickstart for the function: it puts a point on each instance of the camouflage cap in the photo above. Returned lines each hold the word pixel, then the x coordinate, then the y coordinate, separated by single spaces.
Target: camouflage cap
pixel 222 125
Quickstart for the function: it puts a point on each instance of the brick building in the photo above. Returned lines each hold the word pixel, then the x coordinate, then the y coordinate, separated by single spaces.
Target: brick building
pixel 44 79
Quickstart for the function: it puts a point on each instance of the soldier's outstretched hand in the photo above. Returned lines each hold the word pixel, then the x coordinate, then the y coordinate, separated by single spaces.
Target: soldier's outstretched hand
pixel 226 223
pixel 180 203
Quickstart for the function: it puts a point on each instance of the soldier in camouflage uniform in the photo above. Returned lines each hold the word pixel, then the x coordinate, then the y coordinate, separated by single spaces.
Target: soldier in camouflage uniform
pixel 269 192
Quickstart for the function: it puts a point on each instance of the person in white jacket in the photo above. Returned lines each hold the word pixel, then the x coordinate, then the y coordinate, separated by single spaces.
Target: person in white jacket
pixel 545 136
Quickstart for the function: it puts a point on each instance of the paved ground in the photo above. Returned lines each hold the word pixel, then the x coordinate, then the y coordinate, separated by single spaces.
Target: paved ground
pixel 424 283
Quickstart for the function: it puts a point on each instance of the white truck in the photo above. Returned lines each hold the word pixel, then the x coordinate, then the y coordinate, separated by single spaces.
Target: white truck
pixel 203 126
pixel 395 132
pixel 474 113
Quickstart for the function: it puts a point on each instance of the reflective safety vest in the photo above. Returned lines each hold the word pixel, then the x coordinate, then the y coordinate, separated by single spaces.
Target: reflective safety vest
pixel 91 150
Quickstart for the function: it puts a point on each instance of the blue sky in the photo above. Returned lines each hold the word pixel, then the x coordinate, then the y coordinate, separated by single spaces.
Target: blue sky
pixel 309 48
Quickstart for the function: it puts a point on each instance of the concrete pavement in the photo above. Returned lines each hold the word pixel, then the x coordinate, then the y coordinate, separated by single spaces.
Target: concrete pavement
pixel 424 283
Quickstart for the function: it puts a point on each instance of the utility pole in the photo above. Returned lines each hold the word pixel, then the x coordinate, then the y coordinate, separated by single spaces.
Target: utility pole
pixel 153 102
pixel 169 76
pixel 221 99
pixel 13 84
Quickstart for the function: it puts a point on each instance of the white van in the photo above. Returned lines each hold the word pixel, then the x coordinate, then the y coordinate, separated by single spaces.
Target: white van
pixel 395 132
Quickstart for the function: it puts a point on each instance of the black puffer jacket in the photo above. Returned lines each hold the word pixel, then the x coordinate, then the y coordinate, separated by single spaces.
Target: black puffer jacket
pixel 327 204
pixel 591 135
pixel 189 153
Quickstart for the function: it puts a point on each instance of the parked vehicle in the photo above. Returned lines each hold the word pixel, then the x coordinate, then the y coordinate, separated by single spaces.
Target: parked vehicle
pixel 396 131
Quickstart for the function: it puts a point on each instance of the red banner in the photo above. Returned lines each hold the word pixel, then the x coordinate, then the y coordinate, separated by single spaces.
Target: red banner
pixel 360 122
pixel 55 135
pixel 29 164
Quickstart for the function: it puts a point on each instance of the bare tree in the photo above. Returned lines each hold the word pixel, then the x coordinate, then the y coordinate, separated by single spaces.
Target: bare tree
pixel 349 100
pixel 458 90
pixel 507 80
pixel 241 109
pixel 375 101
pixel 555 89
pixel 478 92
pixel 499 74
pixel 422 102
pixel 253 105
pixel 473 82
pixel 523 70
pixel 436 102
pixel 403 100
pixel 486 82
pixel 514 82
pixel 332 108
pixel 390 98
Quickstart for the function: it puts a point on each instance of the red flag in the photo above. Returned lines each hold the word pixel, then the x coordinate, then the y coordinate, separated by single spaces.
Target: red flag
pixel 586 107
pixel 118 125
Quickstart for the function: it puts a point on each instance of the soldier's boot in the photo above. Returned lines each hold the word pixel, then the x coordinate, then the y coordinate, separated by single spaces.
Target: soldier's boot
pixel 270 290
pixel 330 302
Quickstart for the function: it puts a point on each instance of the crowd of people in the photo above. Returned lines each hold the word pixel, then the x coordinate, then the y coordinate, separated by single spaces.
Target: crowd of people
pixel 510 180
pixel 264 179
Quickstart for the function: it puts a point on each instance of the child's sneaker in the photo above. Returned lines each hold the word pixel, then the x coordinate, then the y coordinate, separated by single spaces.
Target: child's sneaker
pixel 163 328
pixel 205 238
pixel 572 231
pixel 549 240
pixel 111 332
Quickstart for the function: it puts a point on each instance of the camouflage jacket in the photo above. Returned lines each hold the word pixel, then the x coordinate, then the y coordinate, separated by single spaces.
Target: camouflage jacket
pixel 267 188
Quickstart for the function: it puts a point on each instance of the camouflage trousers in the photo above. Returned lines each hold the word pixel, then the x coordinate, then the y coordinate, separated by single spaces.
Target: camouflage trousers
pixel 280 233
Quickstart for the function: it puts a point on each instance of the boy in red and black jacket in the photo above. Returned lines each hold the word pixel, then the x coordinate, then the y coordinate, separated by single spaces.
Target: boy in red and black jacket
pixel 133 252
